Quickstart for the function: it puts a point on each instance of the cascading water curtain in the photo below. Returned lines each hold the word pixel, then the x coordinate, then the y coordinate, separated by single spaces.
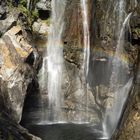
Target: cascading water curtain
pixel 120 81
pixel 86 45
pixel 53 64
pixel 55 61
pixel 84 7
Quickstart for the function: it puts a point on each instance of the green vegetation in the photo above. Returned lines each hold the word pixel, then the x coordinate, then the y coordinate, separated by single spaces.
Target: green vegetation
pixel 31 14
pixel 23 10
pixel 23 2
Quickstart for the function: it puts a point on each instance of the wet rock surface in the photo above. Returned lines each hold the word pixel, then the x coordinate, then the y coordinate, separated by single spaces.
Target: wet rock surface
pixel 12 130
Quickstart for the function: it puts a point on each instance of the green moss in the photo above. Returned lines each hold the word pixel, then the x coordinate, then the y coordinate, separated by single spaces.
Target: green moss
pixel 34 14
pixel 23 10
pixel 31 15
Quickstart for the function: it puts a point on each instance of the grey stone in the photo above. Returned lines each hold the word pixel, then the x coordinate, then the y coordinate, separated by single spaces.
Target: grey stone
pixel 6 24
pixel 44 5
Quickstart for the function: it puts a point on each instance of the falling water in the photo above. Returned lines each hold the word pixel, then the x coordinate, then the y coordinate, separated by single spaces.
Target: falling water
pixel 119 51
pixel 84 6
pixel 85 67
pixel 28 4
pixel 120 94
pixel 53 63
pixel 55 60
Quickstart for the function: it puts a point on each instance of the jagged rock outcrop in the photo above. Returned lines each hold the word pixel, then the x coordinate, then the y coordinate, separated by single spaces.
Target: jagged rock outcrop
pixel 15 74
pixel 6 24
pixel 19 64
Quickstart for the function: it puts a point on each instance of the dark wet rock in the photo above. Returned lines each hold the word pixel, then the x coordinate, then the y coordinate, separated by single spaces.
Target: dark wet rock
pixel 135 30
pixel 15 3
pixel 3 11
pixel 11 130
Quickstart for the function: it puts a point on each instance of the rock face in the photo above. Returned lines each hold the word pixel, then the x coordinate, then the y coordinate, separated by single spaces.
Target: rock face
pixel 19 61
pixel 6 24
pixel 18 68
pixel 15 74
pixel 73 24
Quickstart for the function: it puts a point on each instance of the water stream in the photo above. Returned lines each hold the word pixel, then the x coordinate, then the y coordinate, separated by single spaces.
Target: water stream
pixel 53 63
pixel 84 7
pixel 119 85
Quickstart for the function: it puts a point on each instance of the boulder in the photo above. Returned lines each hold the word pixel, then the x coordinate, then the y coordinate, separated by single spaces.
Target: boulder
pixel 15 73
pixel 8 23
pixel 41 28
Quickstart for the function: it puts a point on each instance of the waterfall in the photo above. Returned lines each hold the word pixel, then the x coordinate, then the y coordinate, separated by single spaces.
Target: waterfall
pixel 84 7
pixel 86 41
pixel 55 59
pixel 120 89
pixel 119 51
pixel 53 63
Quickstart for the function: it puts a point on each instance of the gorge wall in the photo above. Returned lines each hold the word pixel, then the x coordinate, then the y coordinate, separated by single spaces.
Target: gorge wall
pixel 23 40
